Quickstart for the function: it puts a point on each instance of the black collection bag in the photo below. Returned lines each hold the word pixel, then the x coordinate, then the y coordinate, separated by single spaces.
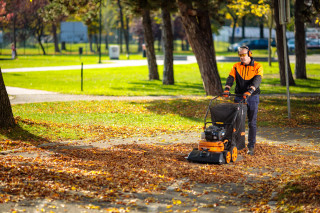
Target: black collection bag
pixel 233 117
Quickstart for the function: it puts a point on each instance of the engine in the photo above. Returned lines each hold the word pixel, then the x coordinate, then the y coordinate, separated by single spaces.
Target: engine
pixel 214 133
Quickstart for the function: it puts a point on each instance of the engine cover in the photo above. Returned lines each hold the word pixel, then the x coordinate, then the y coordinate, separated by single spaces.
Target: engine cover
pixel 214 133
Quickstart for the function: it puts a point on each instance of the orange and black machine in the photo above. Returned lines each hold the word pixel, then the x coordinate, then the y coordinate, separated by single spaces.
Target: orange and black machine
pixel 221 140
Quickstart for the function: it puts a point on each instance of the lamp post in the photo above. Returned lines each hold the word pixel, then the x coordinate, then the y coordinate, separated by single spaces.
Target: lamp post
pixel 284 10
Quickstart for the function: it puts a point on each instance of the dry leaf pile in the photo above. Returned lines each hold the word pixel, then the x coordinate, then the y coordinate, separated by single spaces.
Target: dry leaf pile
pixel 123 170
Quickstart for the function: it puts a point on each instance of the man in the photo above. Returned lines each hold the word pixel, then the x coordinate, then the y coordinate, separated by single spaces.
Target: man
pixel 14 53
pixel 248 75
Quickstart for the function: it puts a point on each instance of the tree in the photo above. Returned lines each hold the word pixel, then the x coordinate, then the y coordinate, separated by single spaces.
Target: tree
pixel 37 24
pixel 240 9
pixel 304 11
pixel 109 20
pixel 270 18
pixel 280 50
pixel 151 56
pixel 124 30
pixel 232 10
pixel 167 38
pixel 87 11
pixel 300 40
pixel 6 116
pixel 55 12
pixel 18 12
pixel 21 17
pixel 197 25
pixel 11 11
pixel 179 33
pixel 2 10
pixel 143 8
pixel 137 30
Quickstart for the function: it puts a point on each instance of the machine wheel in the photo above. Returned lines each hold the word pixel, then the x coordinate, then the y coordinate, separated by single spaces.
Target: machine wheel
pixel 234 154
pixel 228 157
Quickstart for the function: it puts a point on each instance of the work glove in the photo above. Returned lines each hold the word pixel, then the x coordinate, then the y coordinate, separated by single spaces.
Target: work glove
pixel 226 93
pixel 246 95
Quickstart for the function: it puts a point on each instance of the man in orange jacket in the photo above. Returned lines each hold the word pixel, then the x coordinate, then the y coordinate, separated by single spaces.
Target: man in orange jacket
pixel 248 75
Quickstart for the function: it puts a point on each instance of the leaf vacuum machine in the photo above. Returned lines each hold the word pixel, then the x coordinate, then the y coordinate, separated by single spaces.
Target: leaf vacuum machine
pixel 224 135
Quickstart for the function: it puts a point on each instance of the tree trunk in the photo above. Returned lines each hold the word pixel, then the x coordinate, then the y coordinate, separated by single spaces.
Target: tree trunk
pixel 55 38
pixel 280 50
pixel 90 38
pixel 140 43
pixel 6 116
pixel 148 37
pixel 198 30
pixel 261 27
pixel 159 42
pixel 41 45
pixel 182 45
pixel 187 44
pixel 120 39
pixel 107 41
pixel 243 27
pixel 14 33
pixel 300 41
pixel 167 37
pixel 127 35
pixel 270 23
pixel 235 19
pixel 123 30
pixel 38 33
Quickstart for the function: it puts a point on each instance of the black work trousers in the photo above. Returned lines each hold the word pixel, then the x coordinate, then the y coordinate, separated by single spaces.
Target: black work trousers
pixel 252 112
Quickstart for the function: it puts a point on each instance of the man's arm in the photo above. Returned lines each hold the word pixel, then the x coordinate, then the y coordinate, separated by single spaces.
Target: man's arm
pixel 229 82
pixel 257 78
pixel 231 77
pixel 256 82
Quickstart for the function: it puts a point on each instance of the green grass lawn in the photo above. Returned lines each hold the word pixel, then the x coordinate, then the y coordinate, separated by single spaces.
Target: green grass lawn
pixel 133 81
pixel 101 120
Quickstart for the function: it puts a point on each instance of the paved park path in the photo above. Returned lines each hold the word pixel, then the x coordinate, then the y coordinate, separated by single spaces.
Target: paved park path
pixel 105 64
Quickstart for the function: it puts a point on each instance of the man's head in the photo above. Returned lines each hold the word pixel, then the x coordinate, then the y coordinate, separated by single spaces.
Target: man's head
pixel 245 54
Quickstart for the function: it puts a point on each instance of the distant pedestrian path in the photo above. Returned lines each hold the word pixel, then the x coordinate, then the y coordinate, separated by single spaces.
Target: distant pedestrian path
pixel 106 64
pixel 313 59
pixel 22 91
pixel 22 96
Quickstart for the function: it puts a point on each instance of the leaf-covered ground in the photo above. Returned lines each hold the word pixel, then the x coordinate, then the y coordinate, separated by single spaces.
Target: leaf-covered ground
pixel 74 152
pixel 116 173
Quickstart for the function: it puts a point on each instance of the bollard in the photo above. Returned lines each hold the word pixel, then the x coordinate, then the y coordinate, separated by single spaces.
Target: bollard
pixel 81 76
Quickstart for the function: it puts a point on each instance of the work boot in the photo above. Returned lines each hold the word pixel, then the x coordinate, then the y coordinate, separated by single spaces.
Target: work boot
pixel 250 151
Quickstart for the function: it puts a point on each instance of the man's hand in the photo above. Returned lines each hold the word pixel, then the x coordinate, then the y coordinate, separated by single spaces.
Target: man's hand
pixel 226 93
pixel 246 95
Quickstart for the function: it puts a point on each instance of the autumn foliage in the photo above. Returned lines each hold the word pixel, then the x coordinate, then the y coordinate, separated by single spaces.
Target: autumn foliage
pixel 111 164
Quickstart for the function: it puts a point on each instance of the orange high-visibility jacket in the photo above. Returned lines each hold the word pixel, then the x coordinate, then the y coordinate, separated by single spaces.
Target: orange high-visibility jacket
pixel 247 77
